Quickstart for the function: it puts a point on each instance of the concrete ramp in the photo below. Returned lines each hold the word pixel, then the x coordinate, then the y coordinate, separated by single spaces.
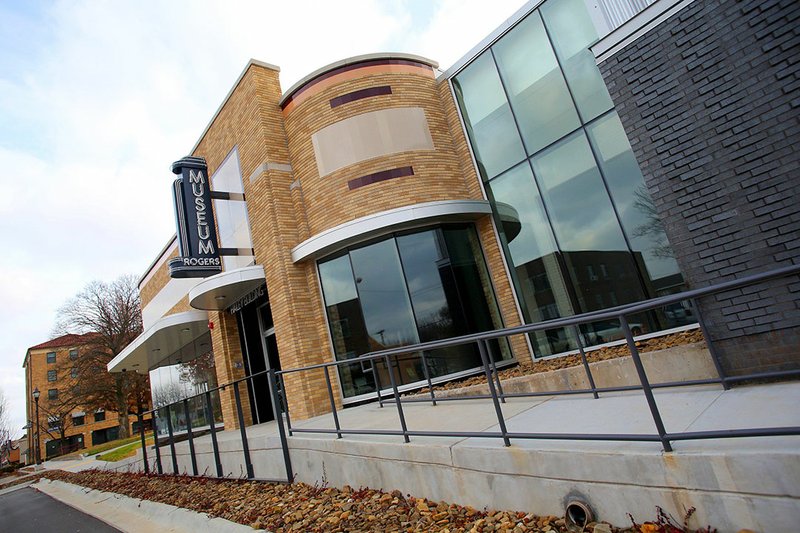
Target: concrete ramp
pixel 733 483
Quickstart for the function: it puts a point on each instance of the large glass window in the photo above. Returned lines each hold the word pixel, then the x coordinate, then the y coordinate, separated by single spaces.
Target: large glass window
pixel 536 87
pixel 577 225
pixel 571 29
pixel 411 287
pixel 495 139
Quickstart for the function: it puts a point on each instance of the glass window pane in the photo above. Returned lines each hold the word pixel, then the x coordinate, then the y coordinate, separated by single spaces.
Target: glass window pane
pixel 531 251
pixel 636 210
pixel 348 332
pixel 487 115
pixel 535 85
pixel 571 29
pixel 587 229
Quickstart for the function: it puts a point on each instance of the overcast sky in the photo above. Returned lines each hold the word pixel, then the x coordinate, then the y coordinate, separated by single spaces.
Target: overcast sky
pixel 98 98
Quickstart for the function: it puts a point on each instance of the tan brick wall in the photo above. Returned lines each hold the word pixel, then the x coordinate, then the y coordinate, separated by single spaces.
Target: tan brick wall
pixel 327 200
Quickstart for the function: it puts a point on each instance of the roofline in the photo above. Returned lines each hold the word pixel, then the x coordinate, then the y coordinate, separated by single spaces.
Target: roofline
pixel 353 61
pixel 250 63
pixel 157 259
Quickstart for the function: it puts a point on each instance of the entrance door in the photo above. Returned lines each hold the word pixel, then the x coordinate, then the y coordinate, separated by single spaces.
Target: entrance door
pixel 260 351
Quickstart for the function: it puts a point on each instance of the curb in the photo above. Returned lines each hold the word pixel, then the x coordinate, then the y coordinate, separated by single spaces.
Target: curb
pixel 133 515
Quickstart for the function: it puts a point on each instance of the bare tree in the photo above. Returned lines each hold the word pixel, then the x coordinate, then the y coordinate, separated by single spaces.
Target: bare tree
pixel 5 423
pixel 111 312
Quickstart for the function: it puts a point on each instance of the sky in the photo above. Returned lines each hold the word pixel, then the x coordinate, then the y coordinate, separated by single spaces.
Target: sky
pixel 98 98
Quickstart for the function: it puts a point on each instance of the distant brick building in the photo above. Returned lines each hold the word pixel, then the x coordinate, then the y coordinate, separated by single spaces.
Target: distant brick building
pixel 47 368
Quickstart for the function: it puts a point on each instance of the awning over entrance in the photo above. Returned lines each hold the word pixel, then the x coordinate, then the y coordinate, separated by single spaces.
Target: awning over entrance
pixel 222 290
pixel 167 336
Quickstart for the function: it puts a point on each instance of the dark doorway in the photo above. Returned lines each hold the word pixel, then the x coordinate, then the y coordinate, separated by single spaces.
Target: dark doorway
pixel 260 350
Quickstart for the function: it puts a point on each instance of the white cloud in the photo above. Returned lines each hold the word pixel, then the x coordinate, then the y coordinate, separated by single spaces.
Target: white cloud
pixel 98 98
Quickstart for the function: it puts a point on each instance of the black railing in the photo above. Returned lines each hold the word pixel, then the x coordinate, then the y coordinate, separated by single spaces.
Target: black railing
pixel 279 409
pixel 495 388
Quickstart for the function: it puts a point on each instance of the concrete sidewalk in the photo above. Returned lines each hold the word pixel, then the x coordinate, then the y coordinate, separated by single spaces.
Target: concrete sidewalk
pixel 733 483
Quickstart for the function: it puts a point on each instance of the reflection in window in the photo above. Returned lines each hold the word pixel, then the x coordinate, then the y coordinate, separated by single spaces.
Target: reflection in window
pixel 51 357
pixel 532 251
pixel 417 286
pixel 52 375
pixel 636 210
pixel 572 31
pixel 186 374
pixel 584 223
pixel 539 96
pixel 495 139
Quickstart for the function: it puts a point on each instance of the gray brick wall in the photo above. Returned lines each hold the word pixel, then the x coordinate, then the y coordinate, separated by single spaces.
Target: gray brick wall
pixel 710 99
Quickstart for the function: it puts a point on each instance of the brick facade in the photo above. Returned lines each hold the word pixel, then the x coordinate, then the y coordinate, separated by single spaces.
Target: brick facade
pixel 709 99
pixel 36 376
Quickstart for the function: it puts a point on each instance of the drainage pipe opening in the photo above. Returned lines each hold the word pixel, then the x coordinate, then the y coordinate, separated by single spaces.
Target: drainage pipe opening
pixel 578 515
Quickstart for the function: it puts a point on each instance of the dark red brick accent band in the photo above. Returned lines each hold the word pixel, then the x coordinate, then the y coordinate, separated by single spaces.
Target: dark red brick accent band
pixel 353 66
pixel 358 95
pixel 383 175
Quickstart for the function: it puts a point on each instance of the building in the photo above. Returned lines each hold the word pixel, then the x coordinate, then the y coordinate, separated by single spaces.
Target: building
pixel 585 155
pixel 50 368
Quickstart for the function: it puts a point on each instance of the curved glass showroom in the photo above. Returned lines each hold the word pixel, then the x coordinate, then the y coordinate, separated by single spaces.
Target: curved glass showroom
pixel 380 202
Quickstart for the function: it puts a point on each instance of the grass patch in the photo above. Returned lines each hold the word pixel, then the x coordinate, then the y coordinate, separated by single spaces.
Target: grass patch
pixel 123 452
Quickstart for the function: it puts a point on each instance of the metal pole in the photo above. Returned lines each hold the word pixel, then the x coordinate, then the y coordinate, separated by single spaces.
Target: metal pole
pixel 212 426
pixel 276 409
pixel 333 403
pixel 397 401
pixel 500 392
pixel 144 444
pixel 159 467
pixel 648 391
pixel 38 435
pixel 377 380
pixel 428 377
pixel 710 345
pixel 171 440
pixel 585 362
pixel 500 420
pixel 285 403
pixel 190 435
pixel 245 447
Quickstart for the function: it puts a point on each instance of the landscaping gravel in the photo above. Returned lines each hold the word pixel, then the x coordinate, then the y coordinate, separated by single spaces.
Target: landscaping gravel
pixel 302 507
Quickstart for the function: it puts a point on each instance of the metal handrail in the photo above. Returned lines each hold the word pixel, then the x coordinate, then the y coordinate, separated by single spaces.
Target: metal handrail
pixel 496 393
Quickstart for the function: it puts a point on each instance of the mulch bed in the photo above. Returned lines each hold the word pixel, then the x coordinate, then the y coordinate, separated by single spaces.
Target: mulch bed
pixel 302 507
pixel 602 354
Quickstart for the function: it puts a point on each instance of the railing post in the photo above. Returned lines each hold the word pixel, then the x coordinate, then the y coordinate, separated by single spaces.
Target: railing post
pixel 159 468
pixel 377 380
pixel 648 391
pixel 333 403
pixel 190 435
pixel 276 410
pixel 710 345
pixel 212 426
pixel 245 447
pixel 171 441
pixel 285 403
pixel 585 361
pixel 144 443
pixel 397 401
pixel 428 376
pixel 498 383
pixel 500 420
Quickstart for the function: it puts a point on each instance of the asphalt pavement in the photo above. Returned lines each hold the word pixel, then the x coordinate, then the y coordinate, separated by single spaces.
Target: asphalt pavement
pixel 29 511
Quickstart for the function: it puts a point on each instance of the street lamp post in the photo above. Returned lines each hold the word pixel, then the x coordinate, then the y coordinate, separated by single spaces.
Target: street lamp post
pixel 36 395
